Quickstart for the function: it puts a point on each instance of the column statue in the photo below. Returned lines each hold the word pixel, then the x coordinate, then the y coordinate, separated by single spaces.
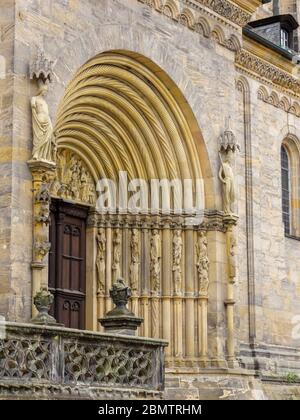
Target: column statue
pixel 44 146
pixel 227 178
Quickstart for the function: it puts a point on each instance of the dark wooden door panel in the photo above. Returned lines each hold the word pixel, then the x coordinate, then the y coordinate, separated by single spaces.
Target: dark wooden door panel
pixel 67 264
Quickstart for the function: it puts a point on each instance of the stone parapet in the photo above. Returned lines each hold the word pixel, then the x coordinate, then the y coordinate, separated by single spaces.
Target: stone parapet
pixel 51 362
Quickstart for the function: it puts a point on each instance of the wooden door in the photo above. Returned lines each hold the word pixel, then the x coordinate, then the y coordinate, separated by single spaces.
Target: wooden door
pixel 67 263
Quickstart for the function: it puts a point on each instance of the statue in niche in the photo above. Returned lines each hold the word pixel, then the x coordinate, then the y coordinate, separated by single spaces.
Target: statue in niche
pixel 227 178
pixel 73 180
pixel 44 146
pixel 155 259
pixel 177 258
pixel 135 260
pixel 117 255
pixel 100 260
pixel 202 264
pixel 232 255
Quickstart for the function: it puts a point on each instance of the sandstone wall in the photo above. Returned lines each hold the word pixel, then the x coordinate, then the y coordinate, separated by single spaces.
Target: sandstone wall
pixel 6 117
pixel 71 32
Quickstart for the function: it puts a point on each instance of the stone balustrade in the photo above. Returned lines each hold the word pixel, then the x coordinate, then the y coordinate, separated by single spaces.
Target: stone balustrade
pixel 54 362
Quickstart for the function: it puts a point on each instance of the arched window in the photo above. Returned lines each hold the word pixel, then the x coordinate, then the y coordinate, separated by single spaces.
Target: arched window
pixel 286 190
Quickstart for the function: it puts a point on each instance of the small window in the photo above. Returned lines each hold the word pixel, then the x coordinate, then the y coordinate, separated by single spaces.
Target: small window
pixel 284 38
pixel 286 194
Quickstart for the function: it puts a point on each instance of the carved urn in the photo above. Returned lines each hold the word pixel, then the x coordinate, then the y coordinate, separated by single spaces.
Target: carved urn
pixel 43 301
pixel 120 320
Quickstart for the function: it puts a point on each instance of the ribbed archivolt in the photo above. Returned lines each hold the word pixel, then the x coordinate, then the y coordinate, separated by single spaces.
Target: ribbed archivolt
pixel 122 113
pixel 122 117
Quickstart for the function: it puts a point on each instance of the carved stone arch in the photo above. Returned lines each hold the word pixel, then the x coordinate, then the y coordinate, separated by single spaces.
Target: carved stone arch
pixel 233 43
pixel 122 112
pixel 295 109
pixel 202 26
pixel 155 4
pixel 187 18
pixel 291 144
pixel 284 103
pixel 263 93
pixel 170 9
pixel 85 117
pixel 218 35
pixel 274 99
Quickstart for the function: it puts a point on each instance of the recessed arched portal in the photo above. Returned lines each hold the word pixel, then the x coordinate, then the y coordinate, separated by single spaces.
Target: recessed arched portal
pixel 121 112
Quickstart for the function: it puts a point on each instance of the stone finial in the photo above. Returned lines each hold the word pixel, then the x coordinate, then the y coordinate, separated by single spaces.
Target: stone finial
pixel 41 68
pixel 43 301
pixel 120 320
pixel 228 139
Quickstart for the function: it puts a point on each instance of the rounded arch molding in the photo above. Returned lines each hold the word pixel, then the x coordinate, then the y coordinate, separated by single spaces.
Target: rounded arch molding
pixel 170 138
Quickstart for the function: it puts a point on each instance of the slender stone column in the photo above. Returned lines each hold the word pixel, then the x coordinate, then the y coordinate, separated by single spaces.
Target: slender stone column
pixel 202 328
pixel 145 277
pixel 42 176
pixel 178 327
pixel 108 285
pixel 94 310
pixel 145 331
pixel 189 294
pixel 155 318
pixel 166 287
pixel 231 221
pixel 177 243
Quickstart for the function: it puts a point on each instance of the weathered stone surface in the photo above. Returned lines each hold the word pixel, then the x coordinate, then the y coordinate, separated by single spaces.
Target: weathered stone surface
pixel 73 32
pixel 56 362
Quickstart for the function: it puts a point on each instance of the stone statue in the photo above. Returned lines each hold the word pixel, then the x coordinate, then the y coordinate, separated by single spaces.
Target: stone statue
pixel 73 180
pixel 44 147
pixel 135 259
pixel 100 261
pixel 177 257
pixel 202 264
pixel 155 259
pixel 227 178
pixel 117 255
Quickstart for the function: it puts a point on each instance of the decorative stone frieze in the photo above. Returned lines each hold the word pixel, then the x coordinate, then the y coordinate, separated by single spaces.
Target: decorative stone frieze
pixel 190 13
pixel 281 102
pixel 225 10
pixel 212 221
pixel 265 72
pixel 73 180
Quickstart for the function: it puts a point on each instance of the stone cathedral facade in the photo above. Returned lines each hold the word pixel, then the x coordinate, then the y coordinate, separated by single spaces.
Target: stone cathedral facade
pixel 200 90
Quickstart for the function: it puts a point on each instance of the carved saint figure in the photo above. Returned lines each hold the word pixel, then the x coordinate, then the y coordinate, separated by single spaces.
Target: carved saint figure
pixel 135 259
pixel 100 261
pixel 202 264
pixel 117 255
pixel 177 257
pixel 73 180
pixel 44 147
pixel 155 258
pixel 227 178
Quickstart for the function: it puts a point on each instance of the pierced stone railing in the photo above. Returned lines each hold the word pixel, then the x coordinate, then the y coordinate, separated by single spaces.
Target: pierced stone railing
pixel 54 362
